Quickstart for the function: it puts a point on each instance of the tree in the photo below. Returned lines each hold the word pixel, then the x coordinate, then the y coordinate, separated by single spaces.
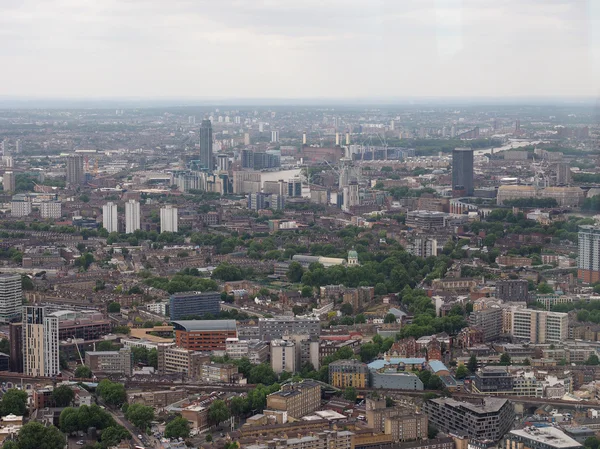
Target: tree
pixel 227 273
pixel 431 431
pixel 112 392
pixel 592 360
pixel 208 438
pixel 295 272
pixel 505 359
pixel 114 307
pixel 112 436
pixel 83 372
pixel 472 364
pixel 63 396
pixel 153 358
pixel 389 402
pixel 14 402
pixel 350 394
pixel 218 412
pixel 544 288
pixel 34 435
pixel 461 371
pixel 5 346
pixel 178 428
pixel 592 443
pixel 347 309
pixel 389 318
pixel 237 405
pixel 526 362
pixel 106 346
pixel 262 374
pixel 360 319
pixel 368 351
pixel 306 291
pixel 140 415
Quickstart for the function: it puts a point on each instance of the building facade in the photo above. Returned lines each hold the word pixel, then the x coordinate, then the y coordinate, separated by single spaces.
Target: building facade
pixel 277 327
pixel 169 221
pixel 40 342
pixel 110 217
pixel 297 399
pixel 462 170
pixel 206 145
pixel 348 373
pixel 132 216
pixel 194 304
pixel 588 262
pixel 110 362
pixel 11 297
pixel 539 326
pixel 204 335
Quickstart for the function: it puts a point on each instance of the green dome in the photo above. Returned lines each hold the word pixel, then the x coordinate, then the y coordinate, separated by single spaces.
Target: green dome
pixel 352 254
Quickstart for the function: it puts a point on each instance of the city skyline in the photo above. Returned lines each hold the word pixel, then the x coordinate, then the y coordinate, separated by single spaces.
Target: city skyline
pixel 300 50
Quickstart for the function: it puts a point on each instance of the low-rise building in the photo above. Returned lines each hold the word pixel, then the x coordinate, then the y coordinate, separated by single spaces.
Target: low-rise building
pixel 110 362
pixel 297 399
pixel 539 438
pixel 348 373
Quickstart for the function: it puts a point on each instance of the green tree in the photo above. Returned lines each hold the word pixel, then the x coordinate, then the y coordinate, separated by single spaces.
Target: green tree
pixel 295 272
pixel 472 364
pixel 389 318
pixel 592 443
pixel 5 346
pixel 237 405
pixel 34 435
pixel 112 436
pixel 461 371
pixel 112 392
pixel 218 412
pixel 153 358
pixel 431 431
pixel 306 291
pixel 208 438
pixel 63 396
pixel 592 360
pixel 106 346
pixel 140 415
pixel 83 372
pixel 389 402
pixel 114 307
pixel 350 394
pixel 227 273
pixel 14 402
pixel 505 359
pixel 347 309
pixel 360 319
pixel 544 288
pixel 262 374
pixel 177 428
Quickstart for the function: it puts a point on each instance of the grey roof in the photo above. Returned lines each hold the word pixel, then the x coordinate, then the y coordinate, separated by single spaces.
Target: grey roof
pixel 205 325
pixel 489 404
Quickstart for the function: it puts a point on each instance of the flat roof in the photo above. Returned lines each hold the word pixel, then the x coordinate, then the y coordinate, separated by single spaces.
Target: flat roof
pixel 488 405
pixel 547 435
pixel 205 325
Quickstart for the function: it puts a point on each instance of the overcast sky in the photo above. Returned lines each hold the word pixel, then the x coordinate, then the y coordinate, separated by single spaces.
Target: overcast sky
pixel 299 48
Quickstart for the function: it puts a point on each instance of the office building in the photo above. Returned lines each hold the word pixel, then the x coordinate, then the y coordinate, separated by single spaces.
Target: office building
pixel 256 351
pixel 222 162
pixel 206 146
pixel 424 247
pixel 486 419
pixel 348 373
pixel 258 160
pixel 168 219
pixel 132 216
pixel 15 338
pixel 588 262
pixel 172 359
pixel 75 173
pixel 462 170
pixel 9 181
pixel 283 356
pixel 294 188
pixel 219 373
pixel 426 219
pixel 110 362
pixel 539 326
pixel 274 136
pixel 83 324
pixel 538 438
pixel 259 201
pixel 297 399
pixel 275 328
pixel 245 182
pixel 51 209
pixel 20 208
pixel 204 335
pixel 563 173
pixel 489 321
pixel 40 342
pixel 11 297
pixel 110 217
pixel 512 290
pixel 194 305
pixel 493 379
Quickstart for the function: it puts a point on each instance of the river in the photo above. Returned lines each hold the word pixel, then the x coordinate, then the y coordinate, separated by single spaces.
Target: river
pixel 511 145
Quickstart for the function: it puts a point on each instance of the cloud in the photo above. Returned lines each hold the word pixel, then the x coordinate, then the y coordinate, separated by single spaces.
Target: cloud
pixel 293 48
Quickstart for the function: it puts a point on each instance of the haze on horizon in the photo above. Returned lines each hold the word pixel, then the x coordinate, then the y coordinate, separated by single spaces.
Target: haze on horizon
pixel 299 49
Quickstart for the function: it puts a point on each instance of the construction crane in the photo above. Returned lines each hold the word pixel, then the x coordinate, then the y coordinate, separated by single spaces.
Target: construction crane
pixel 78 351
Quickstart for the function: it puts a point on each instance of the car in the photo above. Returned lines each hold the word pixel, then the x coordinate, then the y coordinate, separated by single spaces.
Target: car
pixel 80 443
pixel 140 437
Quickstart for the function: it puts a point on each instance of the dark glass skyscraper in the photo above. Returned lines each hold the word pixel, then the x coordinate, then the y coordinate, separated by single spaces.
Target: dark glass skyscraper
pixel 206 145
pixel 462 170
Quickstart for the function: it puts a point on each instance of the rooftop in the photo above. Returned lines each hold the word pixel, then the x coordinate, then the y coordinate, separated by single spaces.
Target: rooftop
pixel 378 364
pixel 547 435
pixel 205 325
pixel 487 405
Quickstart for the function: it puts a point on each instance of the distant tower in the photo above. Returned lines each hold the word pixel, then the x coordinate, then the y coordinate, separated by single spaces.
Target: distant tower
pixel 9 181
pixel 110 217
pixel 261 127
pixel 347 138
pixel 18 146
pixel 352 258
pixel 40 342
pixel 246 138
pixel 206 145
pixel 518 126
pixel 132 216
pixel 168 219
pixel 337 139
pixel 392 125
pixel 304 138
pixel 462 170
pixel 75 173
pixel 274 136
pixel 222 162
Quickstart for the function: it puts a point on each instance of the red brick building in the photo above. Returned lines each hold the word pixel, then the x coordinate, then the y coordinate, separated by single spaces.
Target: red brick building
pixel 204 335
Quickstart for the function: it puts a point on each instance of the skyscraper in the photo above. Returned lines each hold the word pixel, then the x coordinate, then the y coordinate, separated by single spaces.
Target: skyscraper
pixel 588 262
pixel 40 342
pixel 222 162
pixel 11 297
pixel 206 145
pixel 274 136
pixel 9 181
pixel 132 216
pixel 168 219
pixel 75 174
pixel 462 170
pixel 109 217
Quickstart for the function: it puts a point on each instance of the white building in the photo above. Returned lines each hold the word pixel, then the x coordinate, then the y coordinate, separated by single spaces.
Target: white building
pixel 20 208
pixel 9 180
pixel 40 342
pixel 51 209
pixel 132 216
pixel 11 297
pixel 110 217
pixel 274 136
pixel 283 356
pixel 236 348
pixel 539 326
pixel 351 197
pixel 168 219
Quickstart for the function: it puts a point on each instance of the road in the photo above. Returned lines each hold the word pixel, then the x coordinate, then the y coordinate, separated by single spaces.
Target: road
pixel 120 419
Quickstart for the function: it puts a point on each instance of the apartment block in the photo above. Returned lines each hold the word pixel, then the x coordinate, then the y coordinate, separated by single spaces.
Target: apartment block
pixel 348 373
pixel 110 362
pixel 297 399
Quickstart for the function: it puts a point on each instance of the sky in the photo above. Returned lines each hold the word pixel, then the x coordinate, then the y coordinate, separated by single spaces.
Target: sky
pixel 299 48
